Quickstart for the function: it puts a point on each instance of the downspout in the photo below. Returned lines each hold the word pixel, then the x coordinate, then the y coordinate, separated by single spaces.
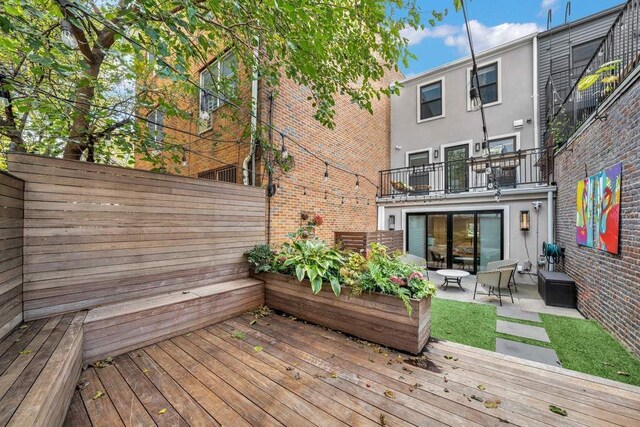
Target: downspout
pixel 550 211
pixel 249 163
pixel 536 112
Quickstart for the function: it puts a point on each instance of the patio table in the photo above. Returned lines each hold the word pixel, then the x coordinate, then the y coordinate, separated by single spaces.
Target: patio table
pixel 452 276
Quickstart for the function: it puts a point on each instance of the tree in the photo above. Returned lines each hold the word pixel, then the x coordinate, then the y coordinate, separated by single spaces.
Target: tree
pixel 73 99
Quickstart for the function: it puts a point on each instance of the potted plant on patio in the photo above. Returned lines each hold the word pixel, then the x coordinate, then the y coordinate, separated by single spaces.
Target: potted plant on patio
pixel 377 298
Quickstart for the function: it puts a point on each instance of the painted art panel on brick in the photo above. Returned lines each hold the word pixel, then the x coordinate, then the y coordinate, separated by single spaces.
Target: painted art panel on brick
pixel 584 212
pixel 607 208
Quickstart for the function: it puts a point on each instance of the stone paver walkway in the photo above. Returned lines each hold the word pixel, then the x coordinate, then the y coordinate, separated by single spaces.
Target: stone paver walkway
pixel 527 351
pixel 524 331
pixel 514 313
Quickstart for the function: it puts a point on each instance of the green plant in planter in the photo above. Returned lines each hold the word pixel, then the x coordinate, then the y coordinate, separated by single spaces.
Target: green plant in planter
pixel 261 257
pixel 312 259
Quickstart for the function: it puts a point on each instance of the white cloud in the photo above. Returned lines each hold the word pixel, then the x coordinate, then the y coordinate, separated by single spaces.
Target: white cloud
pixel 416 36
pixel 487 37
pixel 546 4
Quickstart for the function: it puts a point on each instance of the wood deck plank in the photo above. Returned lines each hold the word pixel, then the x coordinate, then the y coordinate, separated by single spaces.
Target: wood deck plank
pixel 199 348
pixel 243 406
pixel 15 347
pixel 213 404
pixel 101 410
pixel 186 405
pixel 77 416
pixel 150 397
pixel 131 411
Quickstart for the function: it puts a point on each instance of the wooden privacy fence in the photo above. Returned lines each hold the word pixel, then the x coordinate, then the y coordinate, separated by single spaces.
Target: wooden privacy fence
pixel 96 234
pixel 360 241
pixel 11 219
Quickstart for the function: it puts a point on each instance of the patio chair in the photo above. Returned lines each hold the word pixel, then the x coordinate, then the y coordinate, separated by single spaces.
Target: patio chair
pixel 437 258
pixel 494 281
pixel 413 259
pixel 506 263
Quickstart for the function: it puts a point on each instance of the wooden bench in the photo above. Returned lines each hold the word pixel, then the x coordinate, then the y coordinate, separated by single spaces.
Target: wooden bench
pixel 40 364
pixel 114 329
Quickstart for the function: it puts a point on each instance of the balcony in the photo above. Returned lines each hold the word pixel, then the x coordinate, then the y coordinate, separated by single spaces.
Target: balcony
pixel 613 62
pixel 522 168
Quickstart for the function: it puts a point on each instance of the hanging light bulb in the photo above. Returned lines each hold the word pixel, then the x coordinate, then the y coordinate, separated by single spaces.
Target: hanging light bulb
pixel 204 115
pixel 279 185
pixel 325 195
pixel 67 35
pixel 343 200
pixel 474 95
pixel 326 171
pixel 184 157
pixel 304 193
pixel 357 182
pixel 283 149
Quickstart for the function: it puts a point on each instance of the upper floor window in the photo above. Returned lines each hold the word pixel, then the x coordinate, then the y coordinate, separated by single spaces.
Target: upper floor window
pixel 487 83
pixel 218 82
pixel 431 100
pixel 418 159
pixel 155 123
pixel 502 145
pixel 582 53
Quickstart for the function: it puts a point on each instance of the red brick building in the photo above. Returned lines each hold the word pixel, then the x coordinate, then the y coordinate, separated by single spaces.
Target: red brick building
pixel 359 143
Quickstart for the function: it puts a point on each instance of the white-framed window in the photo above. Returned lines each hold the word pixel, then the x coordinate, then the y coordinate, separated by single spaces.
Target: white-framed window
pixel 217 82
pixel 155 123
pixel 430 100
pixel 502 145
pixel 489 83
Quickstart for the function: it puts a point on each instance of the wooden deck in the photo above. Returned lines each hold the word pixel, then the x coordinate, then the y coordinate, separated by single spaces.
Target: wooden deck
pixel 278 371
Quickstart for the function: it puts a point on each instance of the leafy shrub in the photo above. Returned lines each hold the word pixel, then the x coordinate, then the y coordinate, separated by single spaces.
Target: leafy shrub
pixel 261 257
pixel 312 259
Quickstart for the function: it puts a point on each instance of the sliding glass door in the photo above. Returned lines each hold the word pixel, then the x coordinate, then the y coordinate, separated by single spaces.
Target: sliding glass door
pixel 456 240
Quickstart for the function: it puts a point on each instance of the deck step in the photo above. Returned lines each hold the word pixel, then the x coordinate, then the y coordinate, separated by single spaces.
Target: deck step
pixel 40 363
pixel 117 328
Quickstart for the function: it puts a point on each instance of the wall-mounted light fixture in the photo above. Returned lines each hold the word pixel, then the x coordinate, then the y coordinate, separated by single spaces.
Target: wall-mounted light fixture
pixel 477 146
pixel 525 220
pixel 392 222
pixel 435 154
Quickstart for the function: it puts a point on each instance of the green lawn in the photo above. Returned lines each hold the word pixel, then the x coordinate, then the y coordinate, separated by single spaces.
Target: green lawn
pixel 581 345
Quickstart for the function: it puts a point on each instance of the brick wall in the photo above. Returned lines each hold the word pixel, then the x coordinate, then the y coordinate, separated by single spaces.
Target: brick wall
pixel 359 143
pixel 608 285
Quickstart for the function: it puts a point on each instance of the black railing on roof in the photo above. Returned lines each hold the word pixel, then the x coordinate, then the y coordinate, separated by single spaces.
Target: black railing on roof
pixel 508 170
pixel 614 60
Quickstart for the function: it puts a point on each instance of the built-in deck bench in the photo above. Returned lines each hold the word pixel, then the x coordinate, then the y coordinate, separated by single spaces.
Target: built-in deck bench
pixel 40 363
pixel 114 329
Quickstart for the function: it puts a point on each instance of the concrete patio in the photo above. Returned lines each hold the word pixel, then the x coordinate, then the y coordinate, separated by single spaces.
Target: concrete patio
pixel 525 299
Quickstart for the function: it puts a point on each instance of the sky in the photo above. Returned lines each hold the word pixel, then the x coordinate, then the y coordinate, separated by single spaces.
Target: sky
pixel 492 22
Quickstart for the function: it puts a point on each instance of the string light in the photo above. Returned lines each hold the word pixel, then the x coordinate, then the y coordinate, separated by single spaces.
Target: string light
pixel 283 149
pixel 305 191
pixel 184 157
pixel 325 195
pixel 343 200
pixel 326 171
pixel 67 36
pixel 357 182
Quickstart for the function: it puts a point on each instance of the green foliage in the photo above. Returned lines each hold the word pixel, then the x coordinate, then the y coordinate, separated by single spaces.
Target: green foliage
pixel 134 57
pixel 261 257
pixel 312 259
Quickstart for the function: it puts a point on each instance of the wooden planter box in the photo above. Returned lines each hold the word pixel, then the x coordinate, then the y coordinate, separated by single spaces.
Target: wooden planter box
pixel 379 318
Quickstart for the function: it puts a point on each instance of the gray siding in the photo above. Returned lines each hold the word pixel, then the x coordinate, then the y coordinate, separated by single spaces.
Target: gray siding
pixel 556 44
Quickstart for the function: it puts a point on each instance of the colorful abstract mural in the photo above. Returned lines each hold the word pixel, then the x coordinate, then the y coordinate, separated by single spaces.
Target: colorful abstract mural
pixel 607 208
pixel 584 212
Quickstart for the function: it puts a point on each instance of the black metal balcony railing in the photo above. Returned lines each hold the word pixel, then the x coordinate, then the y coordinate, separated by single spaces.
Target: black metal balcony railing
pixel 614 60
pixel 508 170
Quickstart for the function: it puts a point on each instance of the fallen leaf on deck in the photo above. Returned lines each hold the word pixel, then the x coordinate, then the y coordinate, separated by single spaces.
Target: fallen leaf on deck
pixel 389 394
pixel 623 373
pixel 446 390
pixel 82 384
pixel 404 368
pixel 162 411
pixel 295 364
pixel 318 376
pixel 481 387
pixel 557 410
pixel 145 370
pixel 289 368
pixel 333 375
pixel 492 403
pixel 368 385
pixel 474 397
pixel 415 386
pixel 24 326
pixel 252 322
pixel 257 348
pixel 98 395
pixel 239 335
pixel 383 420
pixel 448 357
pixel 16 340
pixel 371 360
pixel 296 375
pixel 189 334
pixel 26 351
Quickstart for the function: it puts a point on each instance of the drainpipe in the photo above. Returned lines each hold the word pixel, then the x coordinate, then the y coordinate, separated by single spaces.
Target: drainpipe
pixel 249 163
pixel 550 212
pixel 536 112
